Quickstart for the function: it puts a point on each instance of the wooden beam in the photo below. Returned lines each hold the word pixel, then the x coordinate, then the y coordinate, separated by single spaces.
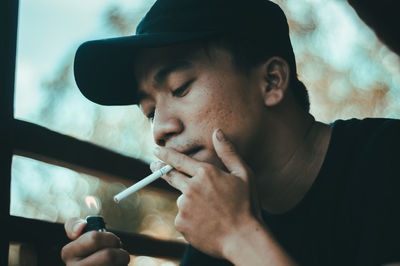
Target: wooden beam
pixel 40 143
pixel 48 239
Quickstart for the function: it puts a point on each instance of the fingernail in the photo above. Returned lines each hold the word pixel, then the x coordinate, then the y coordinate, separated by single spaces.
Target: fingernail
pixel 220 135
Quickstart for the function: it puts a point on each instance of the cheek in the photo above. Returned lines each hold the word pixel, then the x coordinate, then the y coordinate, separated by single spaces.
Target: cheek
pixel 220 104
pixel 237 119
pixel 215 111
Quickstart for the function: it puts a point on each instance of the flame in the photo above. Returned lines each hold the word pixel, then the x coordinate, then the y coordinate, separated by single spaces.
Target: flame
pixel 90 200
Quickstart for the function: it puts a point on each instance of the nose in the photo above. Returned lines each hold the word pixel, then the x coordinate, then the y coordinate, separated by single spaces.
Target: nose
pixel 166 127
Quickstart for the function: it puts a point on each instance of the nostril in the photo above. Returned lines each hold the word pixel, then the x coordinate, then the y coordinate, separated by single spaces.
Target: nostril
pixel 165 129
pixel 161 142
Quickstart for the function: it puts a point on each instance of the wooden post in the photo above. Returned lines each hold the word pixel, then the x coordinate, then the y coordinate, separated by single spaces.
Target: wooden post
pixel 8 36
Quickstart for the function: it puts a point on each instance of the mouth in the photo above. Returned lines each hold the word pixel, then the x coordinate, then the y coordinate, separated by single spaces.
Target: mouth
pixel 192 151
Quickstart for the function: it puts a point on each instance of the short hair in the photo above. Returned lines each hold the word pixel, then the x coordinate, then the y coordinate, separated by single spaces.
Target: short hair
pixel 249 51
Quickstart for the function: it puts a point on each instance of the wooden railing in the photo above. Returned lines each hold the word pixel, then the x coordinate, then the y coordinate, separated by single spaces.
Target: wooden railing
pixel 39 143
pixel 47 239
pixel 34 141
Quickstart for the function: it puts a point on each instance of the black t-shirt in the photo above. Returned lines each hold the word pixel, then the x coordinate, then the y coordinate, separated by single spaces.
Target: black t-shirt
pixel 351 214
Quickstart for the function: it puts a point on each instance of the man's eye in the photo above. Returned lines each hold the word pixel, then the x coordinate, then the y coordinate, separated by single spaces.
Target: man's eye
pixel 150 116
pixel 181 91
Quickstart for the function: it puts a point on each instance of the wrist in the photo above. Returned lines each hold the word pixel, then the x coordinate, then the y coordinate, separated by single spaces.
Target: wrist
pixel 233 244
pixel 253 244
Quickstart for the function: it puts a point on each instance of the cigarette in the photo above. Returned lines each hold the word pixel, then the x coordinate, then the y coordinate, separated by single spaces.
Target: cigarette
pixel 142 183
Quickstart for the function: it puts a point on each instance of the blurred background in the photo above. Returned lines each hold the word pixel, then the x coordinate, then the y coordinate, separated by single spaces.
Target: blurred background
pixel 347 69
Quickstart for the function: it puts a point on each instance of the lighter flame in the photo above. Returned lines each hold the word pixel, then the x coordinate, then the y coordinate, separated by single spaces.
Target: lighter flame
pixel 90 200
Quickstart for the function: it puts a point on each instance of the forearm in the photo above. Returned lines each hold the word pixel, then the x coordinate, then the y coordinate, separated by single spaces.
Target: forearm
pixel 252 244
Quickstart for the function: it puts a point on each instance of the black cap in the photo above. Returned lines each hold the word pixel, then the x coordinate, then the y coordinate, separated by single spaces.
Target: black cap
pixel 104 68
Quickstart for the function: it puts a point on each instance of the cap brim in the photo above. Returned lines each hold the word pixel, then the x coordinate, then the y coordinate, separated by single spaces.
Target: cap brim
pixel 103 69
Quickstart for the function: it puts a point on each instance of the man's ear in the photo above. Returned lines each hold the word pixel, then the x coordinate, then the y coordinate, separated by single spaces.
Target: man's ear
pixel 276 73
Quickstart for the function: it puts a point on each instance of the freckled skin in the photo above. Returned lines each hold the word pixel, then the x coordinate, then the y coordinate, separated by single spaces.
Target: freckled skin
pixel 220 97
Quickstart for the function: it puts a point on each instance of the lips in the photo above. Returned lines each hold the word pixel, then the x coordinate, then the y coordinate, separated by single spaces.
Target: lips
pixel 190 152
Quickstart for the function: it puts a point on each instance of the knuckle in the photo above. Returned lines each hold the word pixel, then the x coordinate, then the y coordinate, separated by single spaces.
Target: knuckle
pixel 110 255
pixel 203 170
pixel 112 239
pixel 184 213
pixel 179 224
pixel 94 237
pixel 205 173
pixel 114 256
pixel 65 253
pixel 68 256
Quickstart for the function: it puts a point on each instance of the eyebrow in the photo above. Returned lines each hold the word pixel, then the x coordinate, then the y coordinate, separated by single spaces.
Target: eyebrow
pixel 162 74
pixel 166 70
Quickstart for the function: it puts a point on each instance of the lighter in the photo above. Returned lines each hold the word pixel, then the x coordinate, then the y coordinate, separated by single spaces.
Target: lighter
pixel 95 223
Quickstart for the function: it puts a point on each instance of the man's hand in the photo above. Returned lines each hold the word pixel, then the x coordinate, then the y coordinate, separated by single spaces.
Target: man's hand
pixel 92 248
pixel 214 203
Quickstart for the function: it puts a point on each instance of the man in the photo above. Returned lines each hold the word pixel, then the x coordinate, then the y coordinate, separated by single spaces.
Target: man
pixel 262 182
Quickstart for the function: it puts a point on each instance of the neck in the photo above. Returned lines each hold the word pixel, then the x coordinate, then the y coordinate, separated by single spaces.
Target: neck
pixel 292 163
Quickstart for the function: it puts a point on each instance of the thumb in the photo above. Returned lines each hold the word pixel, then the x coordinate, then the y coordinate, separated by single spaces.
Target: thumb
pixel 228 155
pixel 73 227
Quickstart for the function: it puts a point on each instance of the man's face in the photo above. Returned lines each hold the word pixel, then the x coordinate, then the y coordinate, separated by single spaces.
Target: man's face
pixel 190 92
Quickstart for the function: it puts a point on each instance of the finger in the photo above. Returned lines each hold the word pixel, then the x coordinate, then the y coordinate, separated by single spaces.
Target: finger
pixel 228 155
pixel 179 201
pixel 179 161
pixel 177 180
pixel 157 165
pixel 109 256
pixel 89 243
pixel 74 226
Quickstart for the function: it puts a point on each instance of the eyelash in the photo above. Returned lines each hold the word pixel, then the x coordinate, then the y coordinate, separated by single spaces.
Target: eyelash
pixel 176 93
pixel 181 90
